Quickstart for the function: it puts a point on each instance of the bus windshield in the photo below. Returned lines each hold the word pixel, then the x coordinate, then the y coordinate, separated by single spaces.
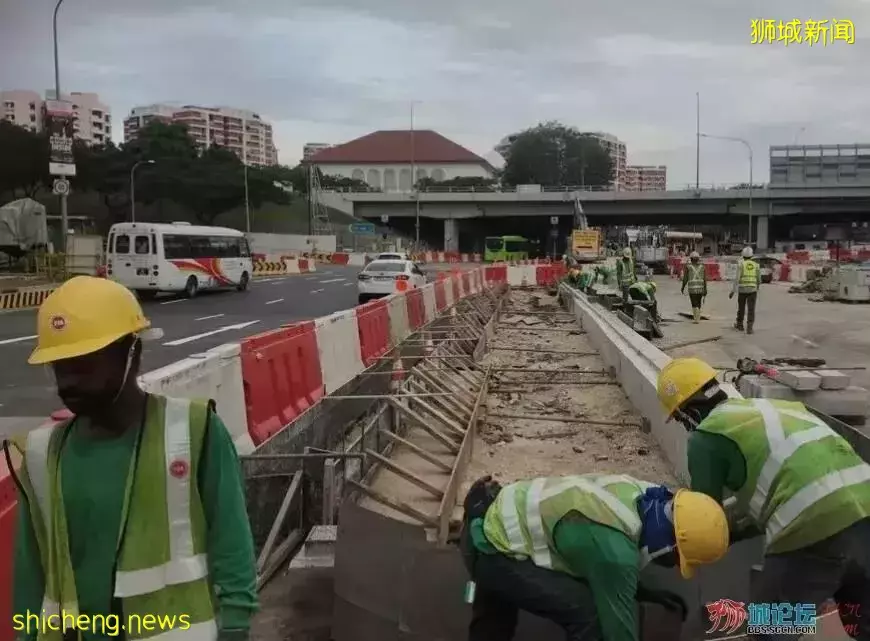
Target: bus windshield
pixel 494 243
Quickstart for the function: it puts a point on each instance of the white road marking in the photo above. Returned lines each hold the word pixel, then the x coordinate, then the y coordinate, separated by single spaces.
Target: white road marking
pixel 805 341
pixel 278 282
pixel 316 291
pixel 9 341
pixel 176 300
pixel 348 284
pixel 277 300
pixel 196 337
pixel 310 277
pixel 201 318
pixel 334 280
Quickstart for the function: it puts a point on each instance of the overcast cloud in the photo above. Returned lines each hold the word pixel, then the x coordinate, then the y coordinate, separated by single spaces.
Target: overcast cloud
pixel 331 70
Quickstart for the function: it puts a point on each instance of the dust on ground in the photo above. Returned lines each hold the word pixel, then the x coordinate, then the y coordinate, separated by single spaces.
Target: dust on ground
pixel 515 448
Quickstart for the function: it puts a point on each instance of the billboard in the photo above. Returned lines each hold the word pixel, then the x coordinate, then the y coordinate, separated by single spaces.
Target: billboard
pixel 59 121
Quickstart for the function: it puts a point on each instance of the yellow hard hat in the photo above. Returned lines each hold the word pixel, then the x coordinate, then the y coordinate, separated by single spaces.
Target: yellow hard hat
pixel 84 315
pixel 680 380
pixel 701 529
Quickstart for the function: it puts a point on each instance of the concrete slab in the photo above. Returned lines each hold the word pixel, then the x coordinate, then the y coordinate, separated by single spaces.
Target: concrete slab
pixel 849 402
pixel 834 379
pixel 800 380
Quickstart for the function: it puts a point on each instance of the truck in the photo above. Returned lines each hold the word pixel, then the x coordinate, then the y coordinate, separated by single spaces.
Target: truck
pixel 586 245
pixel 650 247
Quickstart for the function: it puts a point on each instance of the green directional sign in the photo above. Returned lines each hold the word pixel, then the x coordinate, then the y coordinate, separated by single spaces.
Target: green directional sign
pixel 362 229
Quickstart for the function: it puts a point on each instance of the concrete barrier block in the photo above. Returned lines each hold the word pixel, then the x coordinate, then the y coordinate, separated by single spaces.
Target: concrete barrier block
pixel 833 379
pixel 800 379
pixel 849 402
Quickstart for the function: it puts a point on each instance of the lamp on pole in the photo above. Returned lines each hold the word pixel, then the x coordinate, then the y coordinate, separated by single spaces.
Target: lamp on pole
pixel 64 216
pixel 749 149
pixel 133 188
pixel 247 202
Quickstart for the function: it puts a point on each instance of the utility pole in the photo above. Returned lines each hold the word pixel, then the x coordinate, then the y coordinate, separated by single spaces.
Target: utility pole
pixel 247 201
pixel 415 191
pixel 64 214
pixel 133 188
pixel 698 141
pixel 748 146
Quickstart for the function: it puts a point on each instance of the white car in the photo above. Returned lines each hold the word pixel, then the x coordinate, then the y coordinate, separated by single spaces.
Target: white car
pixel 380 278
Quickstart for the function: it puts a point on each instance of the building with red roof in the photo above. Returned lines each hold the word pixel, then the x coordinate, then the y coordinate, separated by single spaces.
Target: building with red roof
pixel 386 159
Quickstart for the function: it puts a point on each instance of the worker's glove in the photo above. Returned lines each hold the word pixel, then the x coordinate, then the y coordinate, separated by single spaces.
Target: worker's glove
pixel 665 598
pixel 731 295
pixel 233 635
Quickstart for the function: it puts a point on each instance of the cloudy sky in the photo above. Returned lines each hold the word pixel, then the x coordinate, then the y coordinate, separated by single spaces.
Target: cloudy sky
pixel 331 70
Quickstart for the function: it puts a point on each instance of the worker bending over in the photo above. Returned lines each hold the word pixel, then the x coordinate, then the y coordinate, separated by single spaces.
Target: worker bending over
pixel 570 549
pixel 625 275
pixel 134 507
pixel 746 286
pixel 645 291
pixel 800 483
pixel 695 278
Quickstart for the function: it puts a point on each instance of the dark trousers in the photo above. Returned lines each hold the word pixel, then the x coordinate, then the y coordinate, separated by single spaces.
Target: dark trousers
pixel 504 586
pixel 746 302
pixel 836 568
pixel 695 299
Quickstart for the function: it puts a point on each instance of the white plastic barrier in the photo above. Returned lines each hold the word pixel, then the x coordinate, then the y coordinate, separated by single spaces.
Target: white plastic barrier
pixel 728 271
pixel 429 302
pixel 358 260
pixel 522 275
pixel 215 374
pixel 339 349
pixel 448 293
pixel 291 266
pixel 400 328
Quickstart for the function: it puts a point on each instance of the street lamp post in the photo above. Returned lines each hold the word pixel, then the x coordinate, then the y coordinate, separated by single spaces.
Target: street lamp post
pixel 749 149
pixel 414 190
pixel 133 187
pixel 247 202
pixel 64 215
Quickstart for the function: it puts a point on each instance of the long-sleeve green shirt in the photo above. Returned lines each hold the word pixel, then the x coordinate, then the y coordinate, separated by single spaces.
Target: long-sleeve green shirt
pixel 606 559
pixel 94 479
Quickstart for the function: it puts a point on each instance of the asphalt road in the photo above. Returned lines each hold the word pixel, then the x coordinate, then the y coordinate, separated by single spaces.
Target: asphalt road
pixel 190 326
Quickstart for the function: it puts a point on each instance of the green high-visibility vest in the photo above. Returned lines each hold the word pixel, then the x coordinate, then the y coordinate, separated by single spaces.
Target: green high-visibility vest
pixel 625 272
pixel 804 482
pixel 162 568
pixel 642 290
pixel 748 281
pixel 521 521
pixel 697 282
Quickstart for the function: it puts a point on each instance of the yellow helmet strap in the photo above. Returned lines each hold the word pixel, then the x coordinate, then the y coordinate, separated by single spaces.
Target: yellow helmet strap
pixel 131 353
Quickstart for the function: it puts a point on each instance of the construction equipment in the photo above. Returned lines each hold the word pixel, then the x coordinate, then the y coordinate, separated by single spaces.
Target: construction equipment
pixel 853 283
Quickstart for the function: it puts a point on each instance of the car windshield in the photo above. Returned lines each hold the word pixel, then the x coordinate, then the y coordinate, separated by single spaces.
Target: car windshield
pixel 389 267
pixel 390 256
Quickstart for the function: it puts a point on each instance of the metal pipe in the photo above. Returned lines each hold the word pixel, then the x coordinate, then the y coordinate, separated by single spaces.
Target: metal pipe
pixel 64 214
pixel 746 144
pixel 292 457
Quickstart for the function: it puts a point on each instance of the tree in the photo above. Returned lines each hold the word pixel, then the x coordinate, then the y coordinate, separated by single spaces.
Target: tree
pixel 552 154
pixel 23 161
pixel 105 169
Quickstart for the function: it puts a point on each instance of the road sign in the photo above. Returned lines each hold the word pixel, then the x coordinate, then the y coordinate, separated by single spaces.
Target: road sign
pixel 554 220
pixel 385 218
pixel 362 229
pixel 60 187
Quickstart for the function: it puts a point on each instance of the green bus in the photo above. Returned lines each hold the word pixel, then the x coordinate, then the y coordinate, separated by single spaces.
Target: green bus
pixel 505 248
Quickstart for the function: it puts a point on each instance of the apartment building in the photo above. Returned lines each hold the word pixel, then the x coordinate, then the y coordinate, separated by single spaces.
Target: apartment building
pixel 312 148
pixel 617 151
pixel 645 178
pixel 92 120
pixel 241 131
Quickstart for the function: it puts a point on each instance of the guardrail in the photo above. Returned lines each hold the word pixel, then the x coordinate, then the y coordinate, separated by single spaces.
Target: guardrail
pixel 544 189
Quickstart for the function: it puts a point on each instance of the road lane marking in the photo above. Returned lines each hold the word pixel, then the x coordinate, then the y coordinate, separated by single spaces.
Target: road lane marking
pixel 310 277
pixel 348 284
pixel 316 291
pixel 9 341
pixel 177 300
pixel 277 300
pixel 196 337
pixel 334 280
pixel 202 318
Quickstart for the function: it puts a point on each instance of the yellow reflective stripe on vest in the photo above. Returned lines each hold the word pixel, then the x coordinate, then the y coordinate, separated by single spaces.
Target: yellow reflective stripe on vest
pixel 206 631
pixel 780 450
pixel 625 514
pixel 36 457
pixel 813 493
pixel 535 524
pixel 510 518
pixel 184 566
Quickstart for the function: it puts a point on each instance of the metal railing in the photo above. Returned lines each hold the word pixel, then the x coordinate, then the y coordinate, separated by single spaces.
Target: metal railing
pixel 544 189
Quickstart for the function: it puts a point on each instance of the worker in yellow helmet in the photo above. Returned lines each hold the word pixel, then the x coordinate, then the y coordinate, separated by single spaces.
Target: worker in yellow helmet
pixel 571 549
pixel 796 481
pixel 149 514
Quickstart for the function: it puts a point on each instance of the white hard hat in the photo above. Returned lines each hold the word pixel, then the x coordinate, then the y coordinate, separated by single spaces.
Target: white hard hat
pixel 626 252
pixel 694 255
pixel 747 252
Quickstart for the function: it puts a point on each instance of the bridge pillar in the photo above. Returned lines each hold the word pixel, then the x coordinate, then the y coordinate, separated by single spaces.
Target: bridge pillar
pixel 451 235
pixel 762 231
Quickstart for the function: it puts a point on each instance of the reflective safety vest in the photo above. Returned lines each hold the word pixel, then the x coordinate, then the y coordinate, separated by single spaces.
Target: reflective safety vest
pixel 748 276
pixel 804 482
pixel 521 521
pixel 697 281
pixel 162 568
pixel 641 290
pixel 625 272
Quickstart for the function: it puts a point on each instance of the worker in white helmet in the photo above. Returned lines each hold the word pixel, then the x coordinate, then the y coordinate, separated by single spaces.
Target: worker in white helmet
pixel 625 273
pixel 746 287
pixel 695 278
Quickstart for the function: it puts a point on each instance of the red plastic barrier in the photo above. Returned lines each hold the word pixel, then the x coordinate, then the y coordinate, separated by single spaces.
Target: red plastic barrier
pixel 841 255
pixel 258 257
pixel 457 292
pixel 466 282
pixel 784 271
pixel 416 308
pixel 712 271
pixel 863 254
pixel 373 320
pixel 281 377
pixel 340 259
pixel 496 273
pixel 8 510
pixel 440 295
pixel 798 256
pixel 303 265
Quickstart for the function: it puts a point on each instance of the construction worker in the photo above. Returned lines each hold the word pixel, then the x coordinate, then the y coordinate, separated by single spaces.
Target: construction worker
pixel 625 275
pixel 645 291
pixel 570 549
pixel 801 485
pixel 695 278
pixel 148 517
pixel 604 273
pixel 746 287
